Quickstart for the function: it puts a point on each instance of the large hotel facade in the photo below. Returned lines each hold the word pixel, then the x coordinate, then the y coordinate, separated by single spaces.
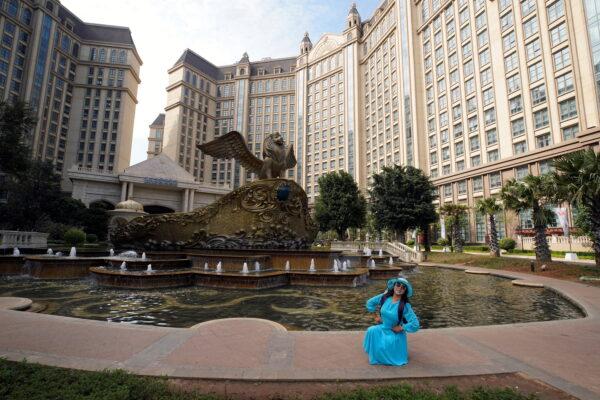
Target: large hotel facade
pixel 80 78
pixel 473 92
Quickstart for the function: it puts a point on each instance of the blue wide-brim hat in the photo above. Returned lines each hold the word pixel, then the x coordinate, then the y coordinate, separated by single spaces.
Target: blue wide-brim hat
pixel 393 281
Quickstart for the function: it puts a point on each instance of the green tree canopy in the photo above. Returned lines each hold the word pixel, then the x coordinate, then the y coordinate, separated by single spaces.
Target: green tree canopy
pixel 16 124
pixel 340 205
pixel 533 193
pixel 402 198
pixel 577 181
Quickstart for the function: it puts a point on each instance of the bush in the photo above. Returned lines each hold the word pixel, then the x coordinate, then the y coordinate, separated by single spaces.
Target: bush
pixel 410 242
pixel 443 242
pixel 507 244
pixel 91 238
pixel 74 237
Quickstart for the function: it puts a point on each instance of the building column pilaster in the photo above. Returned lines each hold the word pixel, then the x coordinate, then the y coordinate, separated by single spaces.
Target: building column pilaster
pixel 123 191
pixel 186 195
pixel 191 203
pixel 130 191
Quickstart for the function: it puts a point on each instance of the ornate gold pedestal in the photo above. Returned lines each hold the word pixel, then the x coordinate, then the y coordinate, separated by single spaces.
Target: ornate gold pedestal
pixel 266 214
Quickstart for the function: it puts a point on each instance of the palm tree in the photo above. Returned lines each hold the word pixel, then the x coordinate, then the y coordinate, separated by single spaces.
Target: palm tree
pixel 532 193
pixel 455 214
pixel 577 179
pixel 490 207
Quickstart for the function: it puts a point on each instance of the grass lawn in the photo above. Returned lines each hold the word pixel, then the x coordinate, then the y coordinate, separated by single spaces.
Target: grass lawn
pixel 24 381
pixel 560 270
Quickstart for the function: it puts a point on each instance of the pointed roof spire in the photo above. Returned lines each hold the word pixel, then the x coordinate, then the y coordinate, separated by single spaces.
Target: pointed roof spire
pixel 353 9
pixel 245 58
pixel 306 39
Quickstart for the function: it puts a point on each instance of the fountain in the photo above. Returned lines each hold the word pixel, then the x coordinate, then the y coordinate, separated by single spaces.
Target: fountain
pixel 219 267
pixel 312 265
pixel 111 253
pixel 59 254
pixel 73 252
pixel 287 265
pixel 336 268
pixel 128 254
pixel 380 252
pixel 349 264
pixel 256 266
pixel 16 252
pixel 391 261
pixel 50 252
pixel 123 266
pixel 245 268
pixel 143 256
pixel 149 269
pixel 206 266
pixel 345 266
pixel 372 263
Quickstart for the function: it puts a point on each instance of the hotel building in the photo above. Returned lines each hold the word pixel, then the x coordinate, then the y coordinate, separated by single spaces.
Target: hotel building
pixel 80 78
pixel 473 92
pixel 155 138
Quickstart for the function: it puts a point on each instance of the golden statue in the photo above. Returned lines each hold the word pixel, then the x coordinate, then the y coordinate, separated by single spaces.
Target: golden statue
pixel 276 158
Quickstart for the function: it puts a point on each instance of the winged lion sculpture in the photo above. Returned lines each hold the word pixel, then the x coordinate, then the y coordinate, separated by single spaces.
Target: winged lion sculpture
pixel 276 157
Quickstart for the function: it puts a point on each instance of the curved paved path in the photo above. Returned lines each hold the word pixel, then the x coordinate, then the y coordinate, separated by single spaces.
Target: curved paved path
pixel 565 354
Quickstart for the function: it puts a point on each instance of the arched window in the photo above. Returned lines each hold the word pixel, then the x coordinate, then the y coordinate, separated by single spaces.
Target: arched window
pixel 122 56
pixel 26 16
pixel 102 55
pixel 50 6
pixel 113 56
pixel 13 8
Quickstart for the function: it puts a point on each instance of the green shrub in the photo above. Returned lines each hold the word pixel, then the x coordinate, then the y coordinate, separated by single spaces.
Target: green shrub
pixel 91 238
pixel 410 242
pixel 507 244
pixel 443 242
pixel 74 237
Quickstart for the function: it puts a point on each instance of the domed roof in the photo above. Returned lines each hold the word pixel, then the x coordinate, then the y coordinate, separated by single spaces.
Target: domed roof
pixel 130 205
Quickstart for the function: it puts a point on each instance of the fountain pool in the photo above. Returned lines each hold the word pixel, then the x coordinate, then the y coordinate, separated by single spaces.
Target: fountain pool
pixel 443 298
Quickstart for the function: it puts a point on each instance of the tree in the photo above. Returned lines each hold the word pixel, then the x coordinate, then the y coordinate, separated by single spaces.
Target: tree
pixel 577 180
pixel 402 198
pixel 340 205
pixel 17 120
pixel 32 196
pixel 455 215
pixel 533 193
pixel 490 207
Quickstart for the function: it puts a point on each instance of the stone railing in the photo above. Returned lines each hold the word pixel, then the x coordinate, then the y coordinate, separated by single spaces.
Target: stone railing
pixel 25 240
pixel 396 249
pixel 557 243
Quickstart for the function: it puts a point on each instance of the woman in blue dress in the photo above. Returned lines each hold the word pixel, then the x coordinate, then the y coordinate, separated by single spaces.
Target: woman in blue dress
pixel 386 342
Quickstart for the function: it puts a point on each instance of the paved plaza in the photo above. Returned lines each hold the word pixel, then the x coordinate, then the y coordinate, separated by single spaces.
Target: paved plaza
pixel 563 354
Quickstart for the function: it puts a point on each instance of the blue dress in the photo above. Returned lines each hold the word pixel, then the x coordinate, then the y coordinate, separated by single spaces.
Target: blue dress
pixel 383 345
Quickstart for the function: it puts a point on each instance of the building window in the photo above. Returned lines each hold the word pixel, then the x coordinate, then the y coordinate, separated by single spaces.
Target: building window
pixel 568 109
pixel 509 41
pixel 533 49
pixel 493 155
pixel 489 116
pixel 516 104
pixel 491 137
pixel 506 21
pixel 513 83
pixel 543 140
pixel 570 132
pixel 448 190
pixel 530 27
pixel 495 180
pixel 521 172
pixel 561 58
pixel 478 184
pixel 527 7
pixel 520 147
pixel 541 118
pixel 511 62
pixel 462 187
pixel 564 83
pixel 536 72
pixel 517 127
pixel 474 143
pixel 538 95
pixel 475 161
pixel 555 11
pixel 558 34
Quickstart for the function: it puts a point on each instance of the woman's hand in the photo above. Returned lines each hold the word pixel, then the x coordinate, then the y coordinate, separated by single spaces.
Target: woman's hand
pixel 377 318
pixel 398 328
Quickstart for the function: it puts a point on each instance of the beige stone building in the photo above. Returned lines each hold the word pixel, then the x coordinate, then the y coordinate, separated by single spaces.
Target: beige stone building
pixel 473 92
pixel 155 138
pixel 81 79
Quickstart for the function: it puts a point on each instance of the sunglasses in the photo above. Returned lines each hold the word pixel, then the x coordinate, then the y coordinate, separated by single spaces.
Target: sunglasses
pixel 400 285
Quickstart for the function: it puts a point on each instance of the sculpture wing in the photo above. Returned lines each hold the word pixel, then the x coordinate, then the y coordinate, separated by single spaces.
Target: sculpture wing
pixel 232 145
pixel 290 158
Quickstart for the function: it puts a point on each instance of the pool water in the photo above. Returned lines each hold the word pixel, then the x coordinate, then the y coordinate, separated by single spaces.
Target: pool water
pixel 443 298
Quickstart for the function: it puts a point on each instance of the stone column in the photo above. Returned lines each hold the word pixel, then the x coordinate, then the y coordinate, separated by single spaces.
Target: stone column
pixel 123 191
pixel 186 195
pixel 191 203
pixel 130 191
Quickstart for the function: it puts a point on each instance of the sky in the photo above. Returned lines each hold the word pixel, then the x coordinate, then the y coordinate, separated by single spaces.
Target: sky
pixel 219 30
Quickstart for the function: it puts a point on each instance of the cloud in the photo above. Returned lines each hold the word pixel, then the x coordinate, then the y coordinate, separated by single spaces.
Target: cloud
pixel 220 31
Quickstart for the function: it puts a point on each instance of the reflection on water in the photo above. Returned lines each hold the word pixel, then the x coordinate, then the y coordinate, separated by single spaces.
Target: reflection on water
pixel 443 298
